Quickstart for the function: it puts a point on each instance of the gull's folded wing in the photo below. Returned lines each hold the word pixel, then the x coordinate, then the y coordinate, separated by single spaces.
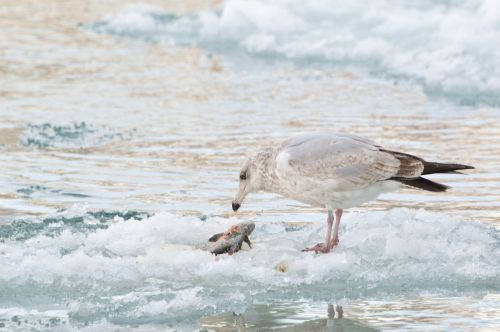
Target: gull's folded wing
pixel 349 162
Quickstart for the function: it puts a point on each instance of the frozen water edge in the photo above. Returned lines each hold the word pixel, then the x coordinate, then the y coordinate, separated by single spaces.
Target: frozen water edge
pixel 156 270
pixel 445 47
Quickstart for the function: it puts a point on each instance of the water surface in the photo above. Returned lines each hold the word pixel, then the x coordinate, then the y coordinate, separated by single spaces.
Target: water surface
pixel 123 128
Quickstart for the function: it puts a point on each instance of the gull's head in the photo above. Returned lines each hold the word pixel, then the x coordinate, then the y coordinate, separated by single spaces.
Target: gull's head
pixel 250 179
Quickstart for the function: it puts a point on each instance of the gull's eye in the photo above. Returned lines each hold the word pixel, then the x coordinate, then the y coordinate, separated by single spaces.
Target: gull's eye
pixel 243 175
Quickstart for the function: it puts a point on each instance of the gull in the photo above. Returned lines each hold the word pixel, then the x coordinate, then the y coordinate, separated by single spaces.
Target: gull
pixel 336 172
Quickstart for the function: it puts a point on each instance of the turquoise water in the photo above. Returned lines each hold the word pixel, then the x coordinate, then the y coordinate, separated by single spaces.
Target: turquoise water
pixel 123 128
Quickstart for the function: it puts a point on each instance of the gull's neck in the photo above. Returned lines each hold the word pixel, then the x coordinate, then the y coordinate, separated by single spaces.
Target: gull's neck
pixel 266 165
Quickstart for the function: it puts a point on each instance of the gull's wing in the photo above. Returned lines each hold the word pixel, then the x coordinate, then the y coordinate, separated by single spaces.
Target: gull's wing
pixel 349 162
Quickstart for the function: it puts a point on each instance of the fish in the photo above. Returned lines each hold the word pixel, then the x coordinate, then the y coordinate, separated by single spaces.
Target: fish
pixel 230 241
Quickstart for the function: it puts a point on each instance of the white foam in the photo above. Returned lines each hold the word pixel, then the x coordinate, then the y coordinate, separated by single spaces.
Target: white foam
pixel 138 17
pixel 187 299
pixel 167 245
pixel 158 266
pixel 448 46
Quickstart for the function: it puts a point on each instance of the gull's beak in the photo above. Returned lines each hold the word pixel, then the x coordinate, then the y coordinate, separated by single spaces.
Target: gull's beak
pixel 240 196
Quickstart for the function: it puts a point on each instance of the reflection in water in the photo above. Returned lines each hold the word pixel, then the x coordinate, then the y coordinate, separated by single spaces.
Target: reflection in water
pixel 423 313
pixel 268 318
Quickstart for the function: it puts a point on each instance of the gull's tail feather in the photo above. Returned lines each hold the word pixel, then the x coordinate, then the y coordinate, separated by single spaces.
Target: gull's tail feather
pixel 422 183
pixel 432 167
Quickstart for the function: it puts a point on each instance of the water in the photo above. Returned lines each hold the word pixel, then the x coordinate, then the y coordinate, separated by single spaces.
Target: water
pixel 123 127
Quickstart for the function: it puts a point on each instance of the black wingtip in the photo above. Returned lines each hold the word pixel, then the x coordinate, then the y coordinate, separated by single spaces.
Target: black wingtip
pixel 423 183
pixel 432 167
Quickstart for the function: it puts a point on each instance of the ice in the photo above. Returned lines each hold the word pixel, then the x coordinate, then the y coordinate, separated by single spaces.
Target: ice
pixel 159 268
pixel 136 17
pixel 448 47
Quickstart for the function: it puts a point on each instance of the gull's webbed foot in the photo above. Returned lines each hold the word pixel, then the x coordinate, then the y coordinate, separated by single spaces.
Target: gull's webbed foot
pixel 320 247
pixel 334 242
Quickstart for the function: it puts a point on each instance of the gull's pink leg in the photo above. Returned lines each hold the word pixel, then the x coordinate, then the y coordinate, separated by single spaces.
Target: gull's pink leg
pixel 329 223
pixel 325 247
pixel 335 241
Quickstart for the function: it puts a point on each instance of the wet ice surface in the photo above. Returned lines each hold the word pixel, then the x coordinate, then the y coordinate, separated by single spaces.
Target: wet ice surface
pixel 129 269
pixel 120 157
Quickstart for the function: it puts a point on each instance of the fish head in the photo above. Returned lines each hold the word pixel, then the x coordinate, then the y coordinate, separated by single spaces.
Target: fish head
pixel 247 227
